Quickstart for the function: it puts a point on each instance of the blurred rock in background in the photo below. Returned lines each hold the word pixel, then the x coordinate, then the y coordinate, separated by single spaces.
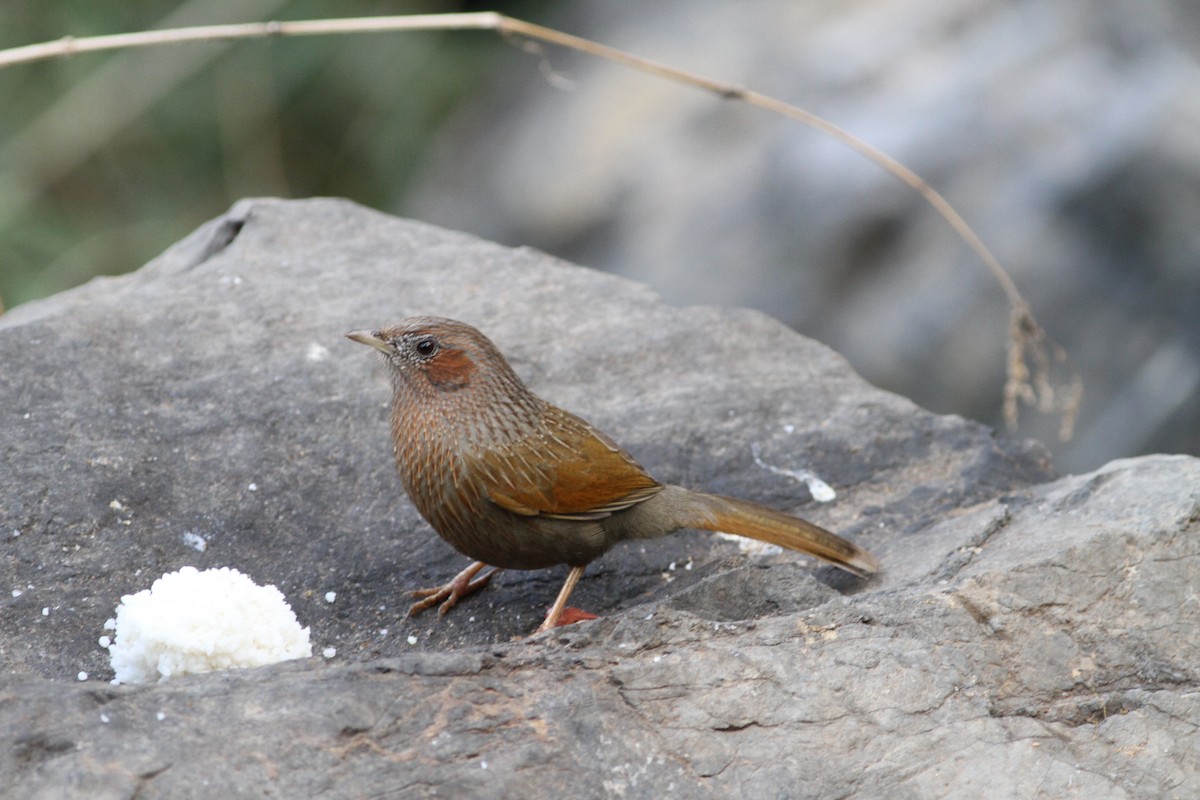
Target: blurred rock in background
pixel 1066 133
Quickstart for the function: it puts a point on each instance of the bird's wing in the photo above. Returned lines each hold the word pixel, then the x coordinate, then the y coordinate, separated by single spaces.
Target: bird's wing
pixel 569 470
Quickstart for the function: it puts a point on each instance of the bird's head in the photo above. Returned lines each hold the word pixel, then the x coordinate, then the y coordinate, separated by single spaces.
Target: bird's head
pixel 436 353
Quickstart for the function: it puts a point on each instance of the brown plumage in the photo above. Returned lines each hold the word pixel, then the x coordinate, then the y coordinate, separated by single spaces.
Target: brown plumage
pixel 516 483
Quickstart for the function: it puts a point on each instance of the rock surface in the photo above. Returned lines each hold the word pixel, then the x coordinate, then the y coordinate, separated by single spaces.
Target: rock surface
pixel 1029 636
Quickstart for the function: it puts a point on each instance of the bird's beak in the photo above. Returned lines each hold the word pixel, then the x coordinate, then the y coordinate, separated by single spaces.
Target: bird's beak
pixel 370 338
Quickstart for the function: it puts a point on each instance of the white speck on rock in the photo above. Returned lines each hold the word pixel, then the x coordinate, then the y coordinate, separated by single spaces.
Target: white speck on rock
pixel 330 597
pixel 821 491
pixel 329 652
pixel 751 547
pixel 195 541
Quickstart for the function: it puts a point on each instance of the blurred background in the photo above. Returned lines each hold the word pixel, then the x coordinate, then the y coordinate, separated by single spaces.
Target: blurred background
pixel 1067 134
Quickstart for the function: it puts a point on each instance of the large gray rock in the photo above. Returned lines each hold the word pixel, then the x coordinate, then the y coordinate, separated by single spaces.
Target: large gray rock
pixel 1024 637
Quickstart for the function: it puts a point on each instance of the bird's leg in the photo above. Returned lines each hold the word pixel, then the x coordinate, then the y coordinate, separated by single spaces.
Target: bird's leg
pixel 459 587
pixel 560 602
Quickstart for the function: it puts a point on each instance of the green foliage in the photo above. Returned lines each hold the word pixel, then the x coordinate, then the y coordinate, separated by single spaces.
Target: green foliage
pixel 105 159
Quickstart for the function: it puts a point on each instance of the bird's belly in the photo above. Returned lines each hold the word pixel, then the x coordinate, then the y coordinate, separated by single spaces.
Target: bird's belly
pixel 442 489
pixel 503 539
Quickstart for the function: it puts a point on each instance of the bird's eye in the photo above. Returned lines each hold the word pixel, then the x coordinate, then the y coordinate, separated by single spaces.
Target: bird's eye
pixel 426 347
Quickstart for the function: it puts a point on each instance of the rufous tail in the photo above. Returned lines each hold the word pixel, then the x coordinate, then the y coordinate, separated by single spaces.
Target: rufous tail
pixel 731 515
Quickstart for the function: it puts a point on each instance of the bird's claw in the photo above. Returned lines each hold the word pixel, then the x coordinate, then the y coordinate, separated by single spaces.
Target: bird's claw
pixel 461 585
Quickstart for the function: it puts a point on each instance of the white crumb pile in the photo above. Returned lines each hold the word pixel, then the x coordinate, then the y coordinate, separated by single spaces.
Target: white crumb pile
pixel 191 621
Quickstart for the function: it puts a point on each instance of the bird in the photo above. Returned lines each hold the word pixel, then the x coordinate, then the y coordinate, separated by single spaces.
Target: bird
pixel 513 482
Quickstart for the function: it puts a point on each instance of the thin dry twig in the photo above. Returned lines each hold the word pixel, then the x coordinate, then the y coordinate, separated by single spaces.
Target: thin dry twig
pixel 1032 355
